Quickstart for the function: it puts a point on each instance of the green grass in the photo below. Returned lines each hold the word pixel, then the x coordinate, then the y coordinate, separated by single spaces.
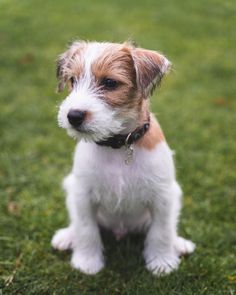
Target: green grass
pixel 196 107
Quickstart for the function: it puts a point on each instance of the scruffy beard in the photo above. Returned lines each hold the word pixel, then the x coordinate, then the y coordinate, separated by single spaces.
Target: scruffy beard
pixel 90 135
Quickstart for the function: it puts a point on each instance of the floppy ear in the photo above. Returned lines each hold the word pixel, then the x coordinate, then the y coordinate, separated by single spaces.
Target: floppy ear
pixel 63 64
pixel 150 68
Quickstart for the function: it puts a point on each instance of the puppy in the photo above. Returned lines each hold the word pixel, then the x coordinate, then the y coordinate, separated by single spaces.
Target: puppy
pixel 123 176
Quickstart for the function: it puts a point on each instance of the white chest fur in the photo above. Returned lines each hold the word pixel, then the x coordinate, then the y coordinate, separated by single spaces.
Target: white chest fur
pixel 119 188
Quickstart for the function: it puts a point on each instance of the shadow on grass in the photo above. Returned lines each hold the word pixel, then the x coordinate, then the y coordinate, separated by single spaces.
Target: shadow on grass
pixel 129 250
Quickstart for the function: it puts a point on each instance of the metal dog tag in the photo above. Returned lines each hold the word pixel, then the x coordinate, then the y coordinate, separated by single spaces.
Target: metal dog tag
pixel 129 154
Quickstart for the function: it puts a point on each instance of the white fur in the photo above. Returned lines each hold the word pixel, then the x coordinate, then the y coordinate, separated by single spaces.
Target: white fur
pixel 102 190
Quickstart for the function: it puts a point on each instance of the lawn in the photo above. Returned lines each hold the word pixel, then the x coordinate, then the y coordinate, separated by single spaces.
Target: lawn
pixel 195 105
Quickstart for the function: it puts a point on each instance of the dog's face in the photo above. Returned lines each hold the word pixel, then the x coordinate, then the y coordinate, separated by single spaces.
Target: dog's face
pixel 108 87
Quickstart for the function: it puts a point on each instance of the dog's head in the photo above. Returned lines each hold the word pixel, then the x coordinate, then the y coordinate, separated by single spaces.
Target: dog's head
pixel 108 87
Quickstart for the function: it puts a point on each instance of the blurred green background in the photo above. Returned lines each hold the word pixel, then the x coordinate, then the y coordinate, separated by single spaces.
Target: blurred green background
pixel 195 106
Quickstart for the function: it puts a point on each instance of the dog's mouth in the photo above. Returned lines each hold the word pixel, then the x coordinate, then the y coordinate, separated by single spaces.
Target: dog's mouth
pixel 80 132
pixel 81 129
pixel 88 135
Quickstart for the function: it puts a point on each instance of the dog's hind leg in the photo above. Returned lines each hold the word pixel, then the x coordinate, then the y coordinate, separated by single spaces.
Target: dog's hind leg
pixel 183 246
pixel 64 239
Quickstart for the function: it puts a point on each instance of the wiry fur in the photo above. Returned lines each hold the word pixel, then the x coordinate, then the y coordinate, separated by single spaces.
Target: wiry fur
pixel 101 189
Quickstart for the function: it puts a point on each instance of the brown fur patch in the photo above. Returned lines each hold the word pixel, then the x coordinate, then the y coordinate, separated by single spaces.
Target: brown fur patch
pixel 116 63
pixel 153 136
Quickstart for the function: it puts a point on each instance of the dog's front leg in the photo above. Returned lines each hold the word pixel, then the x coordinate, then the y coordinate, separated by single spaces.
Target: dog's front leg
pixel 160 254
pixel 83 232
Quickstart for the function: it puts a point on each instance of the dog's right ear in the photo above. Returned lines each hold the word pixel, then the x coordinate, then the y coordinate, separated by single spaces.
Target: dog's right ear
pixel 63 64
pixel 150 68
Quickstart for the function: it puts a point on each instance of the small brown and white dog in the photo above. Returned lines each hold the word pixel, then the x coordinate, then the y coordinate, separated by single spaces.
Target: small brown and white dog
pixel 123 176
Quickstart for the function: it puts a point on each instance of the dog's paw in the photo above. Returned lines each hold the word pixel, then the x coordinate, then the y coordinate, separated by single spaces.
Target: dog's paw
pixel 88 264
pixel 63 239
pixel 184 247
pixel 162 264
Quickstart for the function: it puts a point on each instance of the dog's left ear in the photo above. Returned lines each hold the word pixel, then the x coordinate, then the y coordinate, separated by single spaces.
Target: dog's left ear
pixel 60 71
pixel 150 68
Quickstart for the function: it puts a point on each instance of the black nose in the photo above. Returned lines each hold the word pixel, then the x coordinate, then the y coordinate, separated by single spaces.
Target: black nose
pixel 76 117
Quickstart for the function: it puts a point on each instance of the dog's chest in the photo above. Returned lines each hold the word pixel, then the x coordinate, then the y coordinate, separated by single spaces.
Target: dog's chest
pixel 110 179
pixel 113 183
pixel 119 185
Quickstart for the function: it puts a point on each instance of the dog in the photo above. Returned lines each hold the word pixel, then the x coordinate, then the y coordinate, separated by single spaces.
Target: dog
pixel 123 176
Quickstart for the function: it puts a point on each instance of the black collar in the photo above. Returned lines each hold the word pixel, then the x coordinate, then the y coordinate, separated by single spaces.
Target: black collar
pixel 118 140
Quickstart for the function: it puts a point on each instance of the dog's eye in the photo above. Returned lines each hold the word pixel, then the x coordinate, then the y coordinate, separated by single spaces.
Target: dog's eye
pixel 72 81
pixel 109 84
